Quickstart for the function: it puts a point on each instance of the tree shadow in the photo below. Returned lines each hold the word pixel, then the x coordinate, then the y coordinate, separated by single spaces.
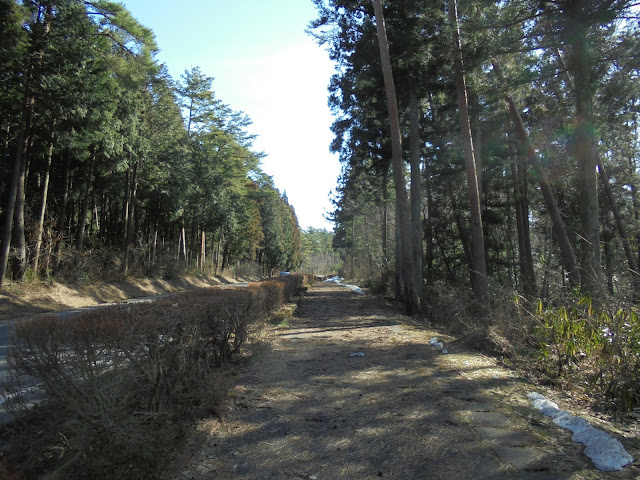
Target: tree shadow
pixel 309 408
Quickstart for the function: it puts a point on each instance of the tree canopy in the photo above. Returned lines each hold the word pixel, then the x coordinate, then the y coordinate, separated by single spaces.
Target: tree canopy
pixel 551 90
pixel 108 162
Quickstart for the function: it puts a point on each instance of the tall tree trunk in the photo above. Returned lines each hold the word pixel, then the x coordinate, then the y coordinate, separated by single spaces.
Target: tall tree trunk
pixel 416 187
pixel 462 233
pixel 14 222
pixel 447 173
pixel 525 256
pixel 178 251
pixel 14 215
pixel 217 253
pixel 580 68
pixel 103 215
pixel 184 241
pixel 544 292
pixel 192 239
pixel 50 245
pixel 411 291
pixel 608 237
pixel 569 261
pixel 84 208
pixel 479 281
pixel 125 211
pixel 622 231
pixel 353 248
pixel 203 251
pixel 428 233
pixel 384 231
pixel 18 237
pixel 43 205
pixel 225 257
pixel 636 217
pixel 154 245
pixel 63 210
pixel 95 217
pixel 524 188
pixel 131 231
pixel 11 202
pixel 476 136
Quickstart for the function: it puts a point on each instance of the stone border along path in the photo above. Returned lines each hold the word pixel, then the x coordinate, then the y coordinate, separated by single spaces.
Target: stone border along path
pixel 305 408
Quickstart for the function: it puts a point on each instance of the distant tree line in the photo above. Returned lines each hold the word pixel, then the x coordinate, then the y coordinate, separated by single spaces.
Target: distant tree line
pixel 108 163
pixel 515 161
pixel 318 255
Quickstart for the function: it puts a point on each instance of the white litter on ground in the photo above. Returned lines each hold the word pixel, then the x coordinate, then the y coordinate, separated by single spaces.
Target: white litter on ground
pixel 606 453
pixel 438 345
pixel 356 354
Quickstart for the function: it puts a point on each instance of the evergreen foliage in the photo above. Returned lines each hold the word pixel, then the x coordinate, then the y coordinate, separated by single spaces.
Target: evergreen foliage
pixel 109 165
pixel 550 89
pixel 578 103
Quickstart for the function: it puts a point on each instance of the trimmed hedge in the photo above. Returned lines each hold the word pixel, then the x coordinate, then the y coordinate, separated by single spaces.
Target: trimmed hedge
pixel 118 372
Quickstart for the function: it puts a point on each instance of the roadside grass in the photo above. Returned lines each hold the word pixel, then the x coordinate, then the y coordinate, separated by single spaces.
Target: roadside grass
pixel 283 316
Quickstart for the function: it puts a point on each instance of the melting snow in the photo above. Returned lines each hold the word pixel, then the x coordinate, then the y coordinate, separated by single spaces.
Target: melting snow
pixel 606 453
pixel 338 280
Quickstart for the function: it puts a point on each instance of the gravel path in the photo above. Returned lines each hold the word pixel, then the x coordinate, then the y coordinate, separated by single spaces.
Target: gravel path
pixel 306 408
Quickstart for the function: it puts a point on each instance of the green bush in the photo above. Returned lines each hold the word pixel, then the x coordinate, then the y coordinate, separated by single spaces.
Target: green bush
pixel 605 342
pixel 618 375
pixel 566 335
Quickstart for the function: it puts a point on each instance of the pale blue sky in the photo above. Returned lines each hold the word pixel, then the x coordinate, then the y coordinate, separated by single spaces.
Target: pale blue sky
pixel 265 65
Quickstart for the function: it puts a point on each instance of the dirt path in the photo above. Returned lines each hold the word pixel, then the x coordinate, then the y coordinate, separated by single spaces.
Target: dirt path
pixel 307 409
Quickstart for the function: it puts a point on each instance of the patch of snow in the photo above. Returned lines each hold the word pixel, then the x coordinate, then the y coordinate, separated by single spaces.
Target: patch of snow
pixel 334 279
pixel 354 288
pixel 606 453
pixel 338 280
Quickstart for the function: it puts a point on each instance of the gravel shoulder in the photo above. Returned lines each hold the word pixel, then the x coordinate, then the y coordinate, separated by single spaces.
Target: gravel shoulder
pixel 305 408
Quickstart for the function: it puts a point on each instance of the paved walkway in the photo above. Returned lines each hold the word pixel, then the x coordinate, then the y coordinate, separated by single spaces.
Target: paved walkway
pixel 312 407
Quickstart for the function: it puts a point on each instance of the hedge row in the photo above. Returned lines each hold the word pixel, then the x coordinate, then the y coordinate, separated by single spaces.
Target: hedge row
pixel 123 370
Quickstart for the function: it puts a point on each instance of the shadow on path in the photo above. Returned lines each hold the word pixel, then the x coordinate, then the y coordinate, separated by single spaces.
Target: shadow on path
pixel 308 409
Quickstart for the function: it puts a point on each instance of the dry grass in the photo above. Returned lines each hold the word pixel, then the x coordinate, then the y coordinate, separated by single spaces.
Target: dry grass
pixel 306 408
pixel 124 383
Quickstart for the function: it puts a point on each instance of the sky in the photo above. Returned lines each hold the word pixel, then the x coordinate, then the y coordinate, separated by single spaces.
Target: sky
pixel 265 65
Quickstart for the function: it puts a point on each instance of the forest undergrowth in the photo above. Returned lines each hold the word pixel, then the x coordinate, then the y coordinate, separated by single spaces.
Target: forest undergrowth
pixel 591 351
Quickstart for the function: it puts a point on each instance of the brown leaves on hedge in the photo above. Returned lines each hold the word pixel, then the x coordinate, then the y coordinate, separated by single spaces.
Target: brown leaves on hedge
pixel 124 374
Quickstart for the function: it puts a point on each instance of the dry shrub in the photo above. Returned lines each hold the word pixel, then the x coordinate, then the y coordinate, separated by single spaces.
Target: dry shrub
pixel 452 308
pixel 128 380
pixel 274 294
